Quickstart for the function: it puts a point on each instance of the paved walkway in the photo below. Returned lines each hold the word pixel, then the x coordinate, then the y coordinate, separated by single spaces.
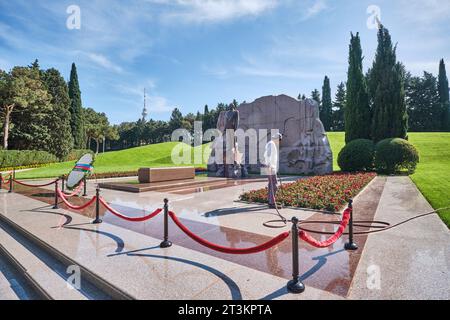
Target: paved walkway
pixel 414 257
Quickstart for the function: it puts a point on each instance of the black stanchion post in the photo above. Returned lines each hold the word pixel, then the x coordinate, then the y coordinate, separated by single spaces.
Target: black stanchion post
pixel 62 184
pixel 295 285
pixel 350 245
pixel 84 187
pixel 166 243
pixel 56 195
pixel 97 207
pixel 11 181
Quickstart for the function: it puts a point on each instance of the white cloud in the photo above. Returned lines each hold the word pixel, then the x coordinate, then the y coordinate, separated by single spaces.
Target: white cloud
pixel 418 67
pixel 104 62
pixel 315 9
pixel 277 72
pixel 425 11
pixel 156 104
pixel 215 10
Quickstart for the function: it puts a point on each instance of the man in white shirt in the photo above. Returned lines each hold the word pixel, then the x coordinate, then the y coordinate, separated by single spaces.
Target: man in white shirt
pixel 271 162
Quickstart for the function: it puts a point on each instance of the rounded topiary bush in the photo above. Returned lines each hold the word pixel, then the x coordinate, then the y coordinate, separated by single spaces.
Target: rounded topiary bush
pixel 394 155
pixel 357 155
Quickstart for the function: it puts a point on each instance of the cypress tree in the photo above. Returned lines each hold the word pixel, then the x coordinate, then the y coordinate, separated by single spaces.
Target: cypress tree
pixel 387 91
pixel 444 96
pixel 339 108
pixel 76 110
pixel 61 141
pixel 326 111
pixel 357 113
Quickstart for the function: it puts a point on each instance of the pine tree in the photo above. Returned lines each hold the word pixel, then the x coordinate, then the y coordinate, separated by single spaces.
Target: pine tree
pixel 315 95
pixel 423 104
pixel 444 96
pixel 357 110
pixel 76 110
pixel 326 110
pixel 176 120
pixel 387 91
pixel 61 141
pixel 339 108
pixel 25 104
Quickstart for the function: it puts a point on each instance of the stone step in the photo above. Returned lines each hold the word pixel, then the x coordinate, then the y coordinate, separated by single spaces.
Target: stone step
pixel 13 284
pixel 54 285
pixel 93 287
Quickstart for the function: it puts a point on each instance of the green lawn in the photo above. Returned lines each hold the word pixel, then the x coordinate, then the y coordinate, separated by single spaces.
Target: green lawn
pixel 432 175
pixel 156 155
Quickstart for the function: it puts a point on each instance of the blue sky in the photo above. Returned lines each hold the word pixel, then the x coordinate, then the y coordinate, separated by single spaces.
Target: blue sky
pixel 189 53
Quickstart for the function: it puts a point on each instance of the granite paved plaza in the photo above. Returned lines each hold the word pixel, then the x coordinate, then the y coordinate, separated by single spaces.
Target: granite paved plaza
pixel 411 261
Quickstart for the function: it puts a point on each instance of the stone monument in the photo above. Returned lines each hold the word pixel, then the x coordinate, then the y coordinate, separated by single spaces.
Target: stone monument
pixel 305 148
pixel 225 160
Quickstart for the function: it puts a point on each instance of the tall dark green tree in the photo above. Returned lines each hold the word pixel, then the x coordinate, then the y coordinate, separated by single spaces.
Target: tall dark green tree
pixel 176 120
pixel 444 96
pixel 30 124
pixel 387 91
pixel 315 95
pixel 357 110
pixel 76 110
pixel 423 105
pixel 326 110
pixel 61 141
pixel 338 122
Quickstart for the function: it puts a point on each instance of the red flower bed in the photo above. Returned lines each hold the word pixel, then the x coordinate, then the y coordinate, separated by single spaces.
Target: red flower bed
pixel 330 192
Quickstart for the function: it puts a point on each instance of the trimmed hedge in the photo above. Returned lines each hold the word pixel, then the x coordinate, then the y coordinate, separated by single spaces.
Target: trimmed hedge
pixel 76 154
pixel 394 155
pixel 357 155
pixel 25 158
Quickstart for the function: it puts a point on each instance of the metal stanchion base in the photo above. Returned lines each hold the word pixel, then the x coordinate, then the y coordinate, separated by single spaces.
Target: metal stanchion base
pixel 55 207
pixel 97 221
pixel 351 246
pixel 295 286
pixel 165 244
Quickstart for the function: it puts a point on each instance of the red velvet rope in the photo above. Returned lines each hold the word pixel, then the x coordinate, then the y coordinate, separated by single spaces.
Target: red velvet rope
pixel 131 219
pixel 75 192
pixel 269 244
pixel 323 244
pixel 71 206
pixel 34 185
pixel 5 180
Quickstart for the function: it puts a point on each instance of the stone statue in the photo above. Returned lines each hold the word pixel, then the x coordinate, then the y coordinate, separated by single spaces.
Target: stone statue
pixel 226 161
pixel 304 149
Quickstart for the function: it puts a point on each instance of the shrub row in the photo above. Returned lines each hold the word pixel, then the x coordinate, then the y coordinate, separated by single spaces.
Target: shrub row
pixel 388 156
pixel 25 158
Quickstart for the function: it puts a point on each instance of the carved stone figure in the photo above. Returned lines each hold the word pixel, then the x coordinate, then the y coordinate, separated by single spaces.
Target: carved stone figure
pixel 304 149
pixel 225 160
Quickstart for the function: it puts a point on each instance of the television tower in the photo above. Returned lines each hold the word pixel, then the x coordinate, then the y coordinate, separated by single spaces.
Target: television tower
pixel 145 112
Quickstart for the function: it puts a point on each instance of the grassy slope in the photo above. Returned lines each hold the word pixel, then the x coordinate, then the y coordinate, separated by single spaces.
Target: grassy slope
pixel 156 155
pixel 432 176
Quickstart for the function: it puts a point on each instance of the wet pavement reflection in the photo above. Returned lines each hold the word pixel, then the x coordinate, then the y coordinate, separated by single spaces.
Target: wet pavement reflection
pixel 329 269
